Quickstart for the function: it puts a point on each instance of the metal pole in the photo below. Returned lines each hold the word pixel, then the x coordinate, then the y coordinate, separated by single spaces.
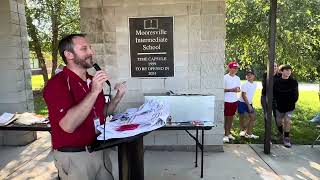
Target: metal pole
pixel 271 56
pixel 202 149
pixel 196 163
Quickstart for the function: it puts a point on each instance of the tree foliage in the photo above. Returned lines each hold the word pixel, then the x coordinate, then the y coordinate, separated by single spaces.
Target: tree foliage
pixel 48 21
pixel 298 33
pixel 298 30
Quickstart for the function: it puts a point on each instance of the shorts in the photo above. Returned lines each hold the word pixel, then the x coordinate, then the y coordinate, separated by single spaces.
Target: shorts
pixel 230 108
pixel 287 115
pixel 243 108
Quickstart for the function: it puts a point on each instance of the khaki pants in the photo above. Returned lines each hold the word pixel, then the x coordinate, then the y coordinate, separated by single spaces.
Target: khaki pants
pixel 83 165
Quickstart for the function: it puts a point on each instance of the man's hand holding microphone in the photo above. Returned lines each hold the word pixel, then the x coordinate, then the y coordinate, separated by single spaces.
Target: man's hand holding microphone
pixel 101 76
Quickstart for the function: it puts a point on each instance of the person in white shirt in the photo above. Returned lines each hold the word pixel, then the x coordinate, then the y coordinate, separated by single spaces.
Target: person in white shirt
pixel 231 88
pixel 245 106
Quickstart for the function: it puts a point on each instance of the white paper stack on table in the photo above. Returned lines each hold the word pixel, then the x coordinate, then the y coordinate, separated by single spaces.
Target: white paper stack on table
pixel 6 118
pixel 150 116
pixel 25 118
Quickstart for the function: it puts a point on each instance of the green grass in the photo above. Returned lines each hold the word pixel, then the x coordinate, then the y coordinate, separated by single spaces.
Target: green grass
pixel 37 86
pixel 301 131
pixel 40 106
pixel 37 82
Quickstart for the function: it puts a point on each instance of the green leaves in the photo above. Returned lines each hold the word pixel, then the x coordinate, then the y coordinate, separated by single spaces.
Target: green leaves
pixel 49 21
pixel 298 30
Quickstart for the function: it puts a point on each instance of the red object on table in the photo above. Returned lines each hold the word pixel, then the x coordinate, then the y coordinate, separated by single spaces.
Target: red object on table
pixel 197 122
pixel 127 127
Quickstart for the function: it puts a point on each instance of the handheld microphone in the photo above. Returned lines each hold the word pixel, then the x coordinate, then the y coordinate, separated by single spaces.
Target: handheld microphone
pixel 97 68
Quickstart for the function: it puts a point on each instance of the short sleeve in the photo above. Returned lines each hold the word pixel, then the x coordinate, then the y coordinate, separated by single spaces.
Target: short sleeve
pixel 244 87
pixel 58 99
pixel 239 82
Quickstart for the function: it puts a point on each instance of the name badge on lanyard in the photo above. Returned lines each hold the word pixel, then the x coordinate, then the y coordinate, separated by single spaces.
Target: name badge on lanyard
pixel 96 122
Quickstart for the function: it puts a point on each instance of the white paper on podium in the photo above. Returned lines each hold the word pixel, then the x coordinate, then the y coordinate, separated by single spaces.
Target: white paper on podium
pixel 150 116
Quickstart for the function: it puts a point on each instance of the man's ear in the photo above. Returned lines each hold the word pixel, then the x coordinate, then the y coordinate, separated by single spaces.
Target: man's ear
pixel 68 54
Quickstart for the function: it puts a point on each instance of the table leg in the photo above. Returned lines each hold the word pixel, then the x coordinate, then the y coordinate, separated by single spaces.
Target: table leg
pixel 136 153
pixel 199 145
pixel 131 161
pixel 196 163
pixel 202 149
pixel 123 161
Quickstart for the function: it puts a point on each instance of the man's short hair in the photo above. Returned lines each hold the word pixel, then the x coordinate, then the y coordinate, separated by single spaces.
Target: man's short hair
pixel 285 66
pixel 66 44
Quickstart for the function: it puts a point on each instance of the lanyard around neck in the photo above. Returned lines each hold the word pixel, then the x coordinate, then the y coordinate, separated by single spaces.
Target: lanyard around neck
pixel 86 92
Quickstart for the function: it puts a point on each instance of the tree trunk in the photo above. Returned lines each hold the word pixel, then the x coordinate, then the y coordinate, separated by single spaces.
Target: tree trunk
pixel 56 11
pixel 37 46
pixel 271 56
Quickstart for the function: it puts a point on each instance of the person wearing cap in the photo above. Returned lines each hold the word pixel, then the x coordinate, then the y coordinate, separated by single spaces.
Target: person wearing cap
pixel 245 106
pixel 231 88
pixel 286 94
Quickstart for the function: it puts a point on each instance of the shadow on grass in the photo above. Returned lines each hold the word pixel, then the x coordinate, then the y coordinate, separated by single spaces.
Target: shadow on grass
pixel 302 132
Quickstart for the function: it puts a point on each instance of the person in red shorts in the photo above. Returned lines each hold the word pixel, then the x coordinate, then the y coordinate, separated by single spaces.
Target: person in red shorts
pixel 231 88
pixel 76 106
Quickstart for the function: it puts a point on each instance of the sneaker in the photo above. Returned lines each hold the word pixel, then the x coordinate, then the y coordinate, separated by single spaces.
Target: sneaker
pixel 242 133
pixel 231 137
pixel 225 139
pixel 286 142
pixel 251 136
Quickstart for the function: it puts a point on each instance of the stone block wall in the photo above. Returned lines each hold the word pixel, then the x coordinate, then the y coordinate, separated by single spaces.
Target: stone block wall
pixel 15 73
pixel 199 46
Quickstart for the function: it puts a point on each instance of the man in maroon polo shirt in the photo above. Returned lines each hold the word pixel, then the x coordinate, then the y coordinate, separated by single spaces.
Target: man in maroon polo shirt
pixel 76 106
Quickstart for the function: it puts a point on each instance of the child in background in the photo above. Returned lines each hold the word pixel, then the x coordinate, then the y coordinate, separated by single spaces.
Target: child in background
pixel 245 106
pixel 286 94
pixel 231 88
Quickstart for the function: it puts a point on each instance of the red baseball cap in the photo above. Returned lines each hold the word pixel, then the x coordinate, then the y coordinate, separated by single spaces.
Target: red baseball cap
pixel 233 65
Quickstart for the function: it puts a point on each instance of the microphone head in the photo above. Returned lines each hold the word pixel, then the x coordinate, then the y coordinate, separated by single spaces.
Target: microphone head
pixel 96 67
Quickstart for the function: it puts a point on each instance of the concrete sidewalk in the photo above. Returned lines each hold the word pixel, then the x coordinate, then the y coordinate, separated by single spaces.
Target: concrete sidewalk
pixel 239 161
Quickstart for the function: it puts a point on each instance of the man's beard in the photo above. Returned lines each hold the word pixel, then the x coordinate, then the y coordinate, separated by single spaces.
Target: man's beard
pixel 83 61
